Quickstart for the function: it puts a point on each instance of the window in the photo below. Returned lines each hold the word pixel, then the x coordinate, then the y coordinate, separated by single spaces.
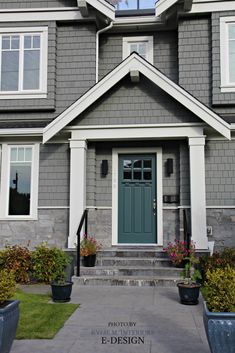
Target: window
pixel 133 4
pixel 23 63
pixel 19 181
pixel 227 53
pixel 142 45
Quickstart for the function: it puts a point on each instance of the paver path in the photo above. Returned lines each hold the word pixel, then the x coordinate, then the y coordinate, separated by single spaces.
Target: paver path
pixel 151 318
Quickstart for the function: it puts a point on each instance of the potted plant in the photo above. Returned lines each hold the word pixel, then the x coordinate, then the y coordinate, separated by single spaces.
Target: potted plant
pixel 88 249
pixel 219 309
pixel 189 289
pixel 9 310
pixel 178 251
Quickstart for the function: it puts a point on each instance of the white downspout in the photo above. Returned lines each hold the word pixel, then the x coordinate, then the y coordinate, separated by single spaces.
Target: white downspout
pixel 97 49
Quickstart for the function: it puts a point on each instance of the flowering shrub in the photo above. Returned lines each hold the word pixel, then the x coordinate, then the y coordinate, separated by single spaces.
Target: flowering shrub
pixel 89 246
pixel 178 251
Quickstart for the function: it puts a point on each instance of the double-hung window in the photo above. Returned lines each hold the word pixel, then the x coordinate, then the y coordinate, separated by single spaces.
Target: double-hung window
pixel 141 45
pixel 227 53
pixel 23 62
pixel 19 181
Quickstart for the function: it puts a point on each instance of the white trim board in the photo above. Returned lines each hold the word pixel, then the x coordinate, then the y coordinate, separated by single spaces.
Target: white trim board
pixel 104 7
pixel 115 153
pixel 135 62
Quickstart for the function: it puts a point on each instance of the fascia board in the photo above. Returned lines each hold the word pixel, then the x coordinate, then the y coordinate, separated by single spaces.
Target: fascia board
pixel 104 7
pixel 163 5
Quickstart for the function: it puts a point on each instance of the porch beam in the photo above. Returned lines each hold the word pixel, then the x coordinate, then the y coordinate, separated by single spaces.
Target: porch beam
pixel 198 191
pixel 78 149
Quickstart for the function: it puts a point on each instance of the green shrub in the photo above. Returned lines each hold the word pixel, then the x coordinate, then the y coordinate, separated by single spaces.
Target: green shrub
pixel 220 289
pixel 49 263
pixel 7 285
pixel 17 259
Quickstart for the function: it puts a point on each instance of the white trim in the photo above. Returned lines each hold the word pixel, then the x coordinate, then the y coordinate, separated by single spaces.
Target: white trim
pixel 127 126
pixel 136 132
pixel 198 6
pixel 221 207
pixel 53 207
pixel 104 7
pixel 212 6
pixel 99 207
pixel 137 20
pixel 21 132
pixel 226 85
pixel 127 41
pixel 22 93
pixel 115 153
pixel 26 15
pixel 163 5
pixel 4 191
pixel 154 75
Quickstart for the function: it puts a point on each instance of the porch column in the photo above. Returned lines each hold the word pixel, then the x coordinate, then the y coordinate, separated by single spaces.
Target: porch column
pixel 78 150
pixel 198 191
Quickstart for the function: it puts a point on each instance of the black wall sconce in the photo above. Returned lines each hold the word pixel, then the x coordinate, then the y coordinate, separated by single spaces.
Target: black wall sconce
pixel 169 166
pixel 104 167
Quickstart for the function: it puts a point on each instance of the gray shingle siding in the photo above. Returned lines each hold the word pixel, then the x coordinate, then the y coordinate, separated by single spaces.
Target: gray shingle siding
pixel 165 52
pixel 220 173
pixel 195 57
pixel 54 174
pixel 17 4
pixel 129 103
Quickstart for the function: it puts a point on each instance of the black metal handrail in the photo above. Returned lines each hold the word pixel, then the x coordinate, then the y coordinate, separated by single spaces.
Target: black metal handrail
pixel 84 218
pixel 186 225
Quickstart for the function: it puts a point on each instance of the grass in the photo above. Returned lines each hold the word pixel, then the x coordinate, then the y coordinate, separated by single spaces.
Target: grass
pixel 40 319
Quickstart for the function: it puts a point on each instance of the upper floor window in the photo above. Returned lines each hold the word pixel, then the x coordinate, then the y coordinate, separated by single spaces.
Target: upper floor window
pixel 134 6
pixel 227 53
pixel 23 63
pixel 142 45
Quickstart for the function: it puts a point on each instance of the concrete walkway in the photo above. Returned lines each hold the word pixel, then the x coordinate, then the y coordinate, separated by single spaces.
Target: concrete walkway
pixel 126 320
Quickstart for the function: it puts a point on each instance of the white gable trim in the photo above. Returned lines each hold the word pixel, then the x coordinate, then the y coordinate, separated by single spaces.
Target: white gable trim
pixel 104 7
pixel 135 62
pixel 163 5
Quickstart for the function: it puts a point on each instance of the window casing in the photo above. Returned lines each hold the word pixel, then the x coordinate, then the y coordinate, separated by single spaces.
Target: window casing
pixel 23 62
pixel 19 181
pixel 227 54
pixel 142 45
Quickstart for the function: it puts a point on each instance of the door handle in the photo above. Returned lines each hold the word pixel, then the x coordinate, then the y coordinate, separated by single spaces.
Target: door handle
pixel 154 207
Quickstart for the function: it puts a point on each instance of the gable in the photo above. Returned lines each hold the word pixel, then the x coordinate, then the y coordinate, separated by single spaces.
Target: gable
pixel 135 65
pixel 135 103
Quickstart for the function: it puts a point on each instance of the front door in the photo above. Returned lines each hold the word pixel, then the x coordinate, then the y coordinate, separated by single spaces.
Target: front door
pixel 137 199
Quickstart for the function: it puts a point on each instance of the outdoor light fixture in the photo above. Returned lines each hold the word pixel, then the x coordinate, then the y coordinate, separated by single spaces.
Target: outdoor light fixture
pixel 169 166
pixel 104 167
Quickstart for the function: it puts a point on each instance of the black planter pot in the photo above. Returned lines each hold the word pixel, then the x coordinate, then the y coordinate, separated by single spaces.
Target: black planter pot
pixel 220 330
pixel 61 293
pixel 9 317
pixel 89 261
pixel 189 294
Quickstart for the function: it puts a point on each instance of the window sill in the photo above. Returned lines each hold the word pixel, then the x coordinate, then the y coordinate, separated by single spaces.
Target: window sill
pixel 227 88
pixel 19 218
pixel 22 95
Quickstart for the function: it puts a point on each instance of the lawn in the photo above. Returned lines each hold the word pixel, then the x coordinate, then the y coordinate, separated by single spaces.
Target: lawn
pixel 39 318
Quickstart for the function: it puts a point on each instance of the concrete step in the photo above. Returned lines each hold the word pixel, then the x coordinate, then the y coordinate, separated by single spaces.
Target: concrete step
pixel 131 271
pixel 133 261
pixel 137 281
pixel 133 252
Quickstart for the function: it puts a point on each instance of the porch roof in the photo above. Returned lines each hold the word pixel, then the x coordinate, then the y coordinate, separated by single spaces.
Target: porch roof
pixel 135 63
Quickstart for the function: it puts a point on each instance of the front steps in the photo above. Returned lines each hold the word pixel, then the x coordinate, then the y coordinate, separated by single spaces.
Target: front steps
pixel 130 267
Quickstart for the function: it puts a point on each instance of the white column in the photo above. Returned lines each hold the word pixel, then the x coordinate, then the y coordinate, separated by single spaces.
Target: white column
pixel 198 191
pixel 78 150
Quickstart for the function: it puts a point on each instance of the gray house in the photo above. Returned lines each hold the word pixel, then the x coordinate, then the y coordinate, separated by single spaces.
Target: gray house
pixel 126 108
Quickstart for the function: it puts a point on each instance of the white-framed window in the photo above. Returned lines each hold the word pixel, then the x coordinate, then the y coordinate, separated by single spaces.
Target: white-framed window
pixel 227 53
pixel 19 181
pixel 142 45
pixel 23 62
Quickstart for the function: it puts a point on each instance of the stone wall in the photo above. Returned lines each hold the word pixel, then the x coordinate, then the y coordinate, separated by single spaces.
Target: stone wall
pixel 51 226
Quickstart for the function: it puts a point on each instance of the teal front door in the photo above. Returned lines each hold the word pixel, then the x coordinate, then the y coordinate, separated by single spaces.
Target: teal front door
pixel 137 199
